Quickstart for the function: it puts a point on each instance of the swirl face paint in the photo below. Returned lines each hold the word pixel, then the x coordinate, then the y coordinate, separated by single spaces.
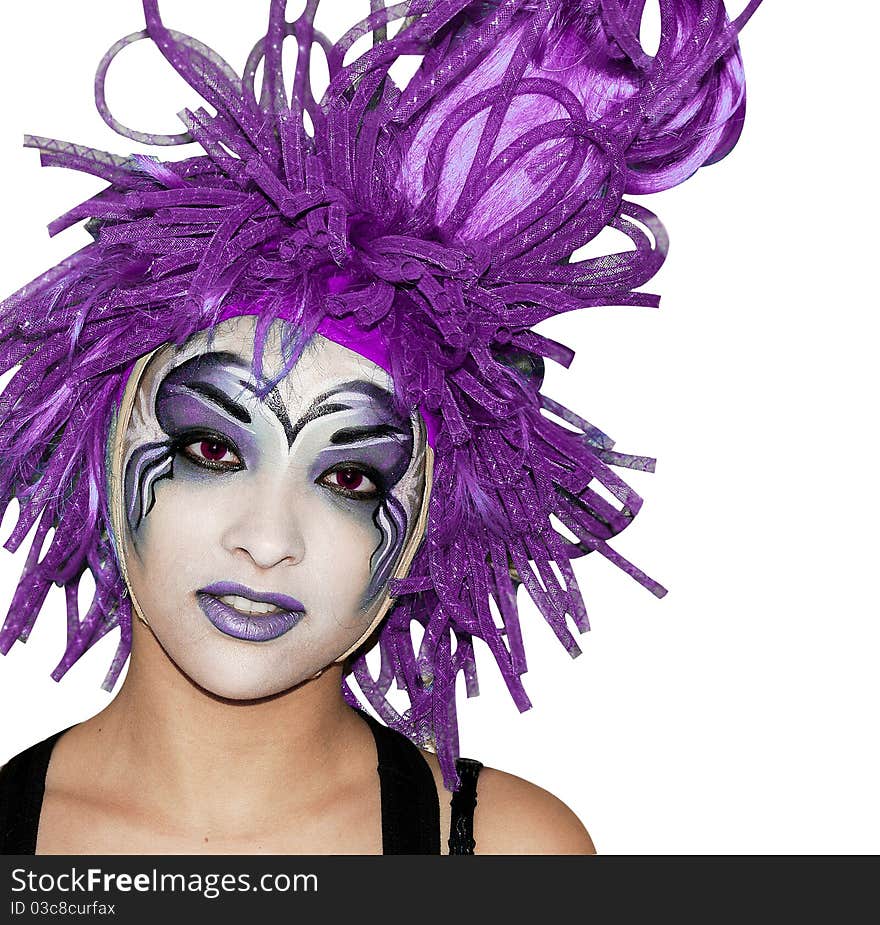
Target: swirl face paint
pixel 262 528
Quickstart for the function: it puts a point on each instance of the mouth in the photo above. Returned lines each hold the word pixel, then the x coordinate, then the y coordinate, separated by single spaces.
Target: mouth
pixel 256 616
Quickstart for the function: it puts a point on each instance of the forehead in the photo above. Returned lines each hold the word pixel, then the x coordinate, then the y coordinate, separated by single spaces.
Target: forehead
pixel 322 364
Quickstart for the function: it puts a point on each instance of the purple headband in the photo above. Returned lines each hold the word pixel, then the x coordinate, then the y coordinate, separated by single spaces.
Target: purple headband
pixel 428 227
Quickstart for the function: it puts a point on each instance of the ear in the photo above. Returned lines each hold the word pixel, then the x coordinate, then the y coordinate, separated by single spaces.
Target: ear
pixel 565 109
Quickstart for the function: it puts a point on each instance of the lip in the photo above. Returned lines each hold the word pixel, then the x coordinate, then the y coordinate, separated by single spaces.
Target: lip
pixel 251 627
pixel 220 588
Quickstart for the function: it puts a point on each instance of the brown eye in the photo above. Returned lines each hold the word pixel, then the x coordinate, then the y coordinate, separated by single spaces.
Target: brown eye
pixel 350 481
pixel 214 454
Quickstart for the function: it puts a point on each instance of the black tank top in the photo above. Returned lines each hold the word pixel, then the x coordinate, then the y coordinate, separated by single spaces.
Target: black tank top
pixel 410 805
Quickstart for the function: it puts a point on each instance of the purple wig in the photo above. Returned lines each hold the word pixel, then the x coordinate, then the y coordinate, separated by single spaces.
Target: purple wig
pixel 442 217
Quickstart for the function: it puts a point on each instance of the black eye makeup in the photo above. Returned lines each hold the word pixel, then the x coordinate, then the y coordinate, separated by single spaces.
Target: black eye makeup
pixel 353 480
pixel 209 451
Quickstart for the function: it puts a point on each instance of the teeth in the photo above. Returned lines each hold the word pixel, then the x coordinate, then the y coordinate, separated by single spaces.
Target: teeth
pixel 247 606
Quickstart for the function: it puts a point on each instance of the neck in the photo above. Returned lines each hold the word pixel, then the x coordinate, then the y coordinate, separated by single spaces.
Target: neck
pixel 201 755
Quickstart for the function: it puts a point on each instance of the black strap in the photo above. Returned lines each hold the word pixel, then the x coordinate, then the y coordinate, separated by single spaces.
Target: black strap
pixel 410 807
pixel 464 802
pixel 22 785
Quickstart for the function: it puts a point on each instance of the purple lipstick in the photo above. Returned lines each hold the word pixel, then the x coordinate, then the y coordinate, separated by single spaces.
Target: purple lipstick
pixel 255 624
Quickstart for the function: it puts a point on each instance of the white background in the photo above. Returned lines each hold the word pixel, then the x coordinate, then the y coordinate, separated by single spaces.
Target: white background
pixel 739 713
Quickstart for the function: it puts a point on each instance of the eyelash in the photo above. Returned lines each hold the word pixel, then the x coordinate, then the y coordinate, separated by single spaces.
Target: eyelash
pixel 183 444
pixel 368 473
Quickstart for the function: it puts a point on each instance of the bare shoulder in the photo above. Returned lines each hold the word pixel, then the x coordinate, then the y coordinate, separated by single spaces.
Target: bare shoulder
pixel 514 816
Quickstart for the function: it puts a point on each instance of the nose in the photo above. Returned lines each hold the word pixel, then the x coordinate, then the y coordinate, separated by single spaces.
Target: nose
pixel 265 528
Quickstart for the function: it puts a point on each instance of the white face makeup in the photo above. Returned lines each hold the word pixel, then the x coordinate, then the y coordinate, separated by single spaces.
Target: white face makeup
pixel 260 534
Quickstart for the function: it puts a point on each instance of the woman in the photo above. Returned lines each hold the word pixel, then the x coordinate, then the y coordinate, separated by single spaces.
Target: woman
pixel 236 504
pixel 287 404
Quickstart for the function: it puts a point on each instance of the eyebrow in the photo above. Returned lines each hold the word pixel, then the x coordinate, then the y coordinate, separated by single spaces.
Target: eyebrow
pixel 221 399
pixel 322 406
pixel 224 359
pixel 195 369
pixel 358 434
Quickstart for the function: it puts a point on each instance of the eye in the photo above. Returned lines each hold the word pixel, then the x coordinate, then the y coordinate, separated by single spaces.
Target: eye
pixel 350 481
pixel 212 453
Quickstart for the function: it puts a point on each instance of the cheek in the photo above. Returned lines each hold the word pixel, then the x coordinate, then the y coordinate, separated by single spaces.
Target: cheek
pixel 339 541
pixel 175 539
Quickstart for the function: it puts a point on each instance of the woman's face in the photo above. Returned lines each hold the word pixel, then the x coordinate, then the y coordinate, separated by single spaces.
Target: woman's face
pixel 260 534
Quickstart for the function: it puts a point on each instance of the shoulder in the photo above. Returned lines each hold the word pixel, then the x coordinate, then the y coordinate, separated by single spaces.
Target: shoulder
pixel 514 816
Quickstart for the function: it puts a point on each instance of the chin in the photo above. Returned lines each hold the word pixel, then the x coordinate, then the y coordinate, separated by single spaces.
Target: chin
pixel 241 681
pixel 237 688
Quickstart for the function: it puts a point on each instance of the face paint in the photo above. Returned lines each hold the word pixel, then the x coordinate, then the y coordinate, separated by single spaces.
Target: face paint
pixel 261 529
